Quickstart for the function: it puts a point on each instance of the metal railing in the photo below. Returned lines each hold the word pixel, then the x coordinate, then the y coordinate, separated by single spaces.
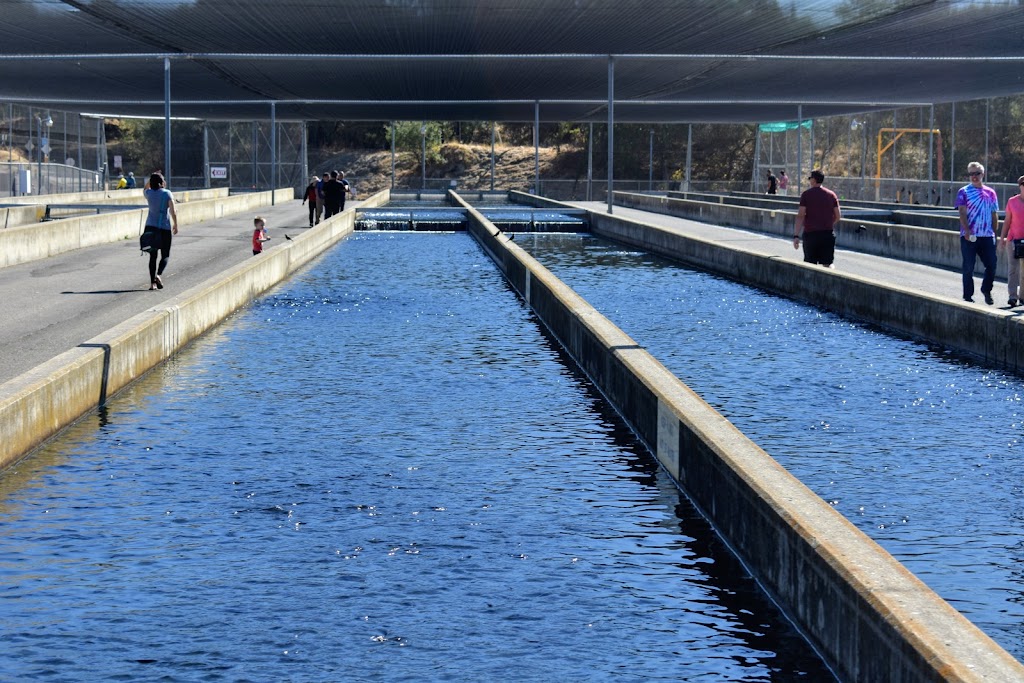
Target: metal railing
pixel 19 179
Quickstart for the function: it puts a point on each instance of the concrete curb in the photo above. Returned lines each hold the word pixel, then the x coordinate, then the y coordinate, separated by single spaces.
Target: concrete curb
pixel 36 405
pixel 869 617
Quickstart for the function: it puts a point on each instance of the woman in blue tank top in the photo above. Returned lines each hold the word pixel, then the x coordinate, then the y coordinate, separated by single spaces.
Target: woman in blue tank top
pixel 162 218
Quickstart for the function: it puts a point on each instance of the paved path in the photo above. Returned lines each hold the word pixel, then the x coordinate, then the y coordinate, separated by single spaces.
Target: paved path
pixel 909 276
pixel 55 304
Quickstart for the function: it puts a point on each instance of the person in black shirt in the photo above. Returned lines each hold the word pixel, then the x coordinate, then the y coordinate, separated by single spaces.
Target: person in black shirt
pixel 773 182
pixel 334 196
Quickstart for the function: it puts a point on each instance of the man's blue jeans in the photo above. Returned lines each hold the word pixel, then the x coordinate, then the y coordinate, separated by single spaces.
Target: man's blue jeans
pixel 985 249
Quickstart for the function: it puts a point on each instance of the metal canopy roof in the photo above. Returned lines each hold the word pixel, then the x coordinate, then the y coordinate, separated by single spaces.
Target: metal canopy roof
pixel 674 60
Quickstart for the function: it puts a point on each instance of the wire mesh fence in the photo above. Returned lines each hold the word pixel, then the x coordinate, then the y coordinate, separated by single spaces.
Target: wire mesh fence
pixel 43 151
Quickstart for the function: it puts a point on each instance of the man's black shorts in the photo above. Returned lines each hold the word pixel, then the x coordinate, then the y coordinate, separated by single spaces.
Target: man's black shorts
pixel 820 247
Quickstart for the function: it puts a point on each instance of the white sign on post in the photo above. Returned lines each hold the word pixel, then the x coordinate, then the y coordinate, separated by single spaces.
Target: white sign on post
pixel 219 172
pixel 117 161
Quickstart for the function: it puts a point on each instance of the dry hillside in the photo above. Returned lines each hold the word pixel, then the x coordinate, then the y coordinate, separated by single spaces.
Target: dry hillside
pixel 469 165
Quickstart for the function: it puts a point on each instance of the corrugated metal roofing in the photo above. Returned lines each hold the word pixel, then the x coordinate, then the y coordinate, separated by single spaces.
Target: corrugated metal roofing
pixel 678 60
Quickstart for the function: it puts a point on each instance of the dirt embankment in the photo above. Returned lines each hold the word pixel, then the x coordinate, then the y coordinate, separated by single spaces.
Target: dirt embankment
pixel 468 165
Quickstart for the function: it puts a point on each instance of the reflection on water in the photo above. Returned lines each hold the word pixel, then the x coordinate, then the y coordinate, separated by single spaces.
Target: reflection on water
pixel 380 471
pixel 919 449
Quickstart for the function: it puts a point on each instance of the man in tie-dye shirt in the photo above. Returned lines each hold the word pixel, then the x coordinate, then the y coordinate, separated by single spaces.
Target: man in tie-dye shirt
pixel 979 219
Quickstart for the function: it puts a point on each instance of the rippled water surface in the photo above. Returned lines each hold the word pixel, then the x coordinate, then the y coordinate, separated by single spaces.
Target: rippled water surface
pixel 381 471
pixel 920 450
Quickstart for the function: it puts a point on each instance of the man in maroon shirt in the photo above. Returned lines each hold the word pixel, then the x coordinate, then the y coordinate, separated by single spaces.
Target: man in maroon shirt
pixel 819 212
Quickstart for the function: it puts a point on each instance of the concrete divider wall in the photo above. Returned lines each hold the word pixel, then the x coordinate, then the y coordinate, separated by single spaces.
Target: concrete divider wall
pixel 871 619
pixel 34 208
pixel 922 218
pixel 930 246
pixel 41 240
pixel 36 405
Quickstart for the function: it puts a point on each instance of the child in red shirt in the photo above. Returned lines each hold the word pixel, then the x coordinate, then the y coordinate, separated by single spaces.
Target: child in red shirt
pixel 259 235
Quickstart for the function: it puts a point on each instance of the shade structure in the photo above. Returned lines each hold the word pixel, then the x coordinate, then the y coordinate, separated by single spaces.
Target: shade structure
pixel 675 60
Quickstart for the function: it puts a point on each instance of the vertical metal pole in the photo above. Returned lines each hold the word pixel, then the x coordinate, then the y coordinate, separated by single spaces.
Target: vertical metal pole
pixel 423 154
pixel 10 134
pixel 611 127
pixel 931 148
pixel 590 163
pixel 231 153
pixel 755 171
pixel 80 169
pixel 305 152
pixel 689 156
pixel 864 161
pixel 811 150
pixel 536 147
pixel 65 150
pixel 493 126
pixel 771 149
pixel 799 148
pixel 650 169
pixel 392 155
pixel 255 162
pixel 273 152
pixel 988 103
pixel 167 120
pixel 894 156
pixel 952 145
pixel 206 154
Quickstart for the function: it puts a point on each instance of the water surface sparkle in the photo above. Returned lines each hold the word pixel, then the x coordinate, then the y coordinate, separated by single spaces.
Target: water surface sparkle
pixel 380 471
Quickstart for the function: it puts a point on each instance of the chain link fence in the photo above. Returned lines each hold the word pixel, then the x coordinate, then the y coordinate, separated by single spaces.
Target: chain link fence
pixel 45 151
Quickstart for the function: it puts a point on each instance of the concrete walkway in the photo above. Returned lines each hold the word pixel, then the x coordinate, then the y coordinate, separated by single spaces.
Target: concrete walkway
pixel 57 303
pixel 908 276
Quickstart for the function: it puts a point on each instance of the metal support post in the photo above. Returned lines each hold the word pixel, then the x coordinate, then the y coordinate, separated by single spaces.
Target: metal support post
pixel 392 155
pixel 590 163
pixel 650 164
pixel 273 151
pixel 80 169
pixel 493 125
pixel 931 148
pixel 536 147
pixel 689 156
pixel 952 145
pixel 864 161
pixel 167 121
pixel 255 162
pixel 423 154
pixel 611 128
pixel 206 154
pixel 755 172
pixel 799 148
pixel 305 152
pixel 988 106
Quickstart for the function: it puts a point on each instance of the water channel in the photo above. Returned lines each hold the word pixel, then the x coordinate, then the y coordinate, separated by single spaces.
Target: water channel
pixel 382 470
pixel 918 448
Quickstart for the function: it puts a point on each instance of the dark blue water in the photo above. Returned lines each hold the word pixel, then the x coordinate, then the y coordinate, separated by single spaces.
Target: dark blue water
pixel 920 449
pixel 381 471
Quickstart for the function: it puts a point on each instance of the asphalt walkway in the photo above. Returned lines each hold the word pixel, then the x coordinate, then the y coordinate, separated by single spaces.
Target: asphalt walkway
pixel 54 304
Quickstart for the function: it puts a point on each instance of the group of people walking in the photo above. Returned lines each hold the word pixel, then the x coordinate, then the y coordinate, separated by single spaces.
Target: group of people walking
pixel 981 235
pixel 326 196
pixel 978 206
